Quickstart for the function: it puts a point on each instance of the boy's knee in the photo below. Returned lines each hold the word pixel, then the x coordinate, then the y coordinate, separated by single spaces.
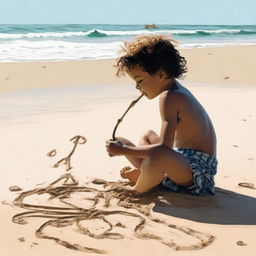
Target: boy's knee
pixel 149 135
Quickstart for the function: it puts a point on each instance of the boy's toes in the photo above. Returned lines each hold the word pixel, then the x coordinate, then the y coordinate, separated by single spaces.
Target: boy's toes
pixel 124 170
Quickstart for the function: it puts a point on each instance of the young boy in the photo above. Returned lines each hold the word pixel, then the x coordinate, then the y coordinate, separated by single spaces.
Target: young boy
pixel 183 157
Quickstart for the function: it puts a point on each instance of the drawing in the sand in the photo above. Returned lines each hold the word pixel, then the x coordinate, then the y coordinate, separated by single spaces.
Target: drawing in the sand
pixel 108 195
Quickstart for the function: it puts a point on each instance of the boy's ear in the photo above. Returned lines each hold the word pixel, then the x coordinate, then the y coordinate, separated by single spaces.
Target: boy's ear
pixel 161 74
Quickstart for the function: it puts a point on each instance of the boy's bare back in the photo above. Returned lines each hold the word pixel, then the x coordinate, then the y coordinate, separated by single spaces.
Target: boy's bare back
pixel 194 128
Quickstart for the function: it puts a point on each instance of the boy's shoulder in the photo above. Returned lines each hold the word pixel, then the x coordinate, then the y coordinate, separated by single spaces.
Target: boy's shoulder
pixel 170 102
pixel 175 96
pixel 177 99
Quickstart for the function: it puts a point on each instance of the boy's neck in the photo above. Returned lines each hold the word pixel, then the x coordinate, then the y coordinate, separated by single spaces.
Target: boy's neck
pixel 170 85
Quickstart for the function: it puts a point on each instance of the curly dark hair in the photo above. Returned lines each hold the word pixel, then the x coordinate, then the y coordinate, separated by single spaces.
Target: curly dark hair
pixel 152 54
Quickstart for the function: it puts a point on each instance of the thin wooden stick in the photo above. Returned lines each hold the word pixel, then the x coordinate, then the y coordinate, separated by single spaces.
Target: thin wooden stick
pixel 121 119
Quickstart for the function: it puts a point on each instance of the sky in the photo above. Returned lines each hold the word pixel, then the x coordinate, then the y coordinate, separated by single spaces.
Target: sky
pixel 205 12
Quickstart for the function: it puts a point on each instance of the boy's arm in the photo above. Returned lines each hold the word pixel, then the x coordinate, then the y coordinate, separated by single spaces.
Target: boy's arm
pixel 168 111
pixel 140 152
pixel 169 108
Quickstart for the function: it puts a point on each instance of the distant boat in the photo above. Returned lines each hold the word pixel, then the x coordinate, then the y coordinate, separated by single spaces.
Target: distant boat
pixel 150 26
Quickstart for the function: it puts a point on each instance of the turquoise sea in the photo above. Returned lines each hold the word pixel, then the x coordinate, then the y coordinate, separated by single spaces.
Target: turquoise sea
pixel 20 43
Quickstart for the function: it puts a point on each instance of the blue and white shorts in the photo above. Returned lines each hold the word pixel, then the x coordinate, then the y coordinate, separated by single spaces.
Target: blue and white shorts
pixel 203 166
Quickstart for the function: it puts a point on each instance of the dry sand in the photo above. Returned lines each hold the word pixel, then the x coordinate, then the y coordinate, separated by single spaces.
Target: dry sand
pixel 212 225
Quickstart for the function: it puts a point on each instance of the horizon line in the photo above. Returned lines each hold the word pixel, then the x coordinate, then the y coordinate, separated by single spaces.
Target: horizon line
pixel 125 24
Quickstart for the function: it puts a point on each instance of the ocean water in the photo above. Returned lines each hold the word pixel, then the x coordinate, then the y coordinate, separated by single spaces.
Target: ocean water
pixel 19 43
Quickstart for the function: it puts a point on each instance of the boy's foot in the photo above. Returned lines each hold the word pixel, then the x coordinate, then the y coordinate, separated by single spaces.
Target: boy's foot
pixel 131 174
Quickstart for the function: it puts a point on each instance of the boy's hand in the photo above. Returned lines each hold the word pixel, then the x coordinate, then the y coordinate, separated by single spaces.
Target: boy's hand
pixel 114 147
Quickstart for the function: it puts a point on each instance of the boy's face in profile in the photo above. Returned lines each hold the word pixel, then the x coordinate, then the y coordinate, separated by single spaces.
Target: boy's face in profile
pixel 150 85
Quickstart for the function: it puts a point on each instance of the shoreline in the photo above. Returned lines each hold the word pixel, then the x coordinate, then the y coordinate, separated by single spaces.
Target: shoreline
pixel 229 65
pixel 113 58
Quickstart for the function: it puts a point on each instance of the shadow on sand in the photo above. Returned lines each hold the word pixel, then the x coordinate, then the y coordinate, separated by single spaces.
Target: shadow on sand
pixel 226 207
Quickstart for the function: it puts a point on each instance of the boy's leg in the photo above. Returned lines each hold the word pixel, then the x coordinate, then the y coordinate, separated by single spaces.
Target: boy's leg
pixel 136 162
pixel 150 137
pixel 132 174
pixel 160 162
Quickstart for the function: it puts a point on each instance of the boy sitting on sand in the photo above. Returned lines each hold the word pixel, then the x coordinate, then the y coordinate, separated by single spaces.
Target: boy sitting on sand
pixel 183 157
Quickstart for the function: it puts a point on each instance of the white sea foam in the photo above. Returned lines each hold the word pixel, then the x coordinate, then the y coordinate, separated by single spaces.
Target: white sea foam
pixel 174 32
pixel 56 50
pixel 79 33
pixel 115 33
pixel 41 35
pixel 51 50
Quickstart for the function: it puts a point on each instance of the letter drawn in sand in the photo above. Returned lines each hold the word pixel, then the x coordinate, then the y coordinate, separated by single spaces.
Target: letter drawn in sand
pixel 67 160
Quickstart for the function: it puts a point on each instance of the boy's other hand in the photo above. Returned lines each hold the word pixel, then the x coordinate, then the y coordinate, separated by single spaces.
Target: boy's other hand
pixel 114 147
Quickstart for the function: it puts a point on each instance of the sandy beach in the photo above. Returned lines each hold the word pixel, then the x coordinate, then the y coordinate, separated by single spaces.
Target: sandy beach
pixel 45 104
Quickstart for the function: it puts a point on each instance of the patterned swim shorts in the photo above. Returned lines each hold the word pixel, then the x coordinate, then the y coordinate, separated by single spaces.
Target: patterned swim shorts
pixel 203 166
